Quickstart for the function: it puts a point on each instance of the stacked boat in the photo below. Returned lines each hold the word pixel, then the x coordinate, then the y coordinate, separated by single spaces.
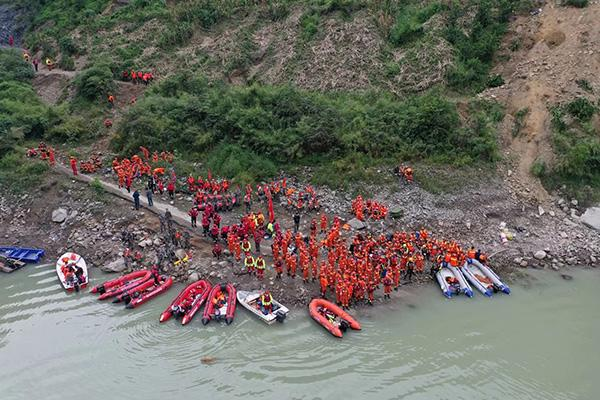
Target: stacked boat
pixel 454 281
pixel 133 289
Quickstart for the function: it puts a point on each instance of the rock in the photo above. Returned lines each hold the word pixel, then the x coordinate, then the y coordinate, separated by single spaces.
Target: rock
pixel 59 215
pixel 518 260
pixel 564 235
pixel 223 264
pixel 574 202
pixel 509 173
pixel 157 242
pixel 591 218
pixel 194 276
pixel 555 267
pixel 396 212
pixel 540 254
pixel 566 277
pixel 541 211
pixel 468 225
pixel 357 224
pixel 180 253
pixel 117 265
pixel 593 259
pixel 524 264
pixel 552 213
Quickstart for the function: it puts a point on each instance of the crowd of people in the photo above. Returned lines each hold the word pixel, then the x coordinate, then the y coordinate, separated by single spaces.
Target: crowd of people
pixel 348 268
pixel 137 77
pixel 373 209
pixel 45 153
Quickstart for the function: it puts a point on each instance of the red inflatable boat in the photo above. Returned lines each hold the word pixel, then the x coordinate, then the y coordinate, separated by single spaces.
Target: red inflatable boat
pixel 331 317
pixel 133 291
pixel 140 297
pixel 187 302
pixel 122 284
pixel 220 304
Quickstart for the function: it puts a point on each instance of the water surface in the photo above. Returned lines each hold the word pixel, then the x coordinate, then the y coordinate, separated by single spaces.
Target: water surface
pixel 541 342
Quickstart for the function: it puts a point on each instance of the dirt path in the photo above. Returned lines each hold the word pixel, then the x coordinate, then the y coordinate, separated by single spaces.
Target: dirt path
pixel 550 52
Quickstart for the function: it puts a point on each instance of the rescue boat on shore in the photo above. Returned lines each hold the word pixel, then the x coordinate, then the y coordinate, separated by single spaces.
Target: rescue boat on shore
pixel 225 310
pixel 187 302
pixel 251 302
pixel 122 284
pixel 452 282
pixel 78 276
pixel 139 297
pixel 332 317
pixel 483 278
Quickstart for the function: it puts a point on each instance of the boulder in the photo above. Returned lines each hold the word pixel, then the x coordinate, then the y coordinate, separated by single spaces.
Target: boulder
pixel 591 218
pixel 541 211
pixel 180 253
pixel 117 265
pixel 59 215
pixel 540 254
pixel 194 276
pixel 357 224
pixel 396 212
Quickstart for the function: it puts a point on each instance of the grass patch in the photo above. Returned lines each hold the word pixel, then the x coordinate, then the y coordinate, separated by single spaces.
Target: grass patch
pixel 18 175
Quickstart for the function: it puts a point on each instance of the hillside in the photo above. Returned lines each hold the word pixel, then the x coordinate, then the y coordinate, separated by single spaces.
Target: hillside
pixel 343 86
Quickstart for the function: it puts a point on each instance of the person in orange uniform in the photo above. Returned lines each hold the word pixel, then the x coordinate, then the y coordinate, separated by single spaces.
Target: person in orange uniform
pixel 260 266
pixel 387 286
pixel 73 162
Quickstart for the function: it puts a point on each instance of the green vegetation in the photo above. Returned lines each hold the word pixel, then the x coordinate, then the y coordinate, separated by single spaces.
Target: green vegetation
pixel 18 174
pixel 577 3
pixel 95 82
pixel 585 85
pixel 519 121
pixel 251 130
pixel 97 189
pixel 577 145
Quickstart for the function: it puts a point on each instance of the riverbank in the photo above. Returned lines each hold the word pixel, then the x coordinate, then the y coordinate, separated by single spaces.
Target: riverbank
pixel 93 222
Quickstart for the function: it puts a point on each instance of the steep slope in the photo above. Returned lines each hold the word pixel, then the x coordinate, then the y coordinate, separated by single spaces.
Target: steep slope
pixel 552 52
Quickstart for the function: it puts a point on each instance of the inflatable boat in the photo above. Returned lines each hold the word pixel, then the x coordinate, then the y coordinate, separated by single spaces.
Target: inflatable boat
pixel 133 290
pixel 452 282
pixel 140 297
pixel 483 278
pixel 215 309
pixel 251 302
pixel 332 317
pixel 122 284
pixel 187 302
pixel 74 265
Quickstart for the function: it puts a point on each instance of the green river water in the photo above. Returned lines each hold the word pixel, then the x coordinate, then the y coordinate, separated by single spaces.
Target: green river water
pixel 541 342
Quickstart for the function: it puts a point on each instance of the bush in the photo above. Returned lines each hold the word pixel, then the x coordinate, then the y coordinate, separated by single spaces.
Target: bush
pixel 67 63
pixel 95 82
pixel 285 125
pixel 18 174
pixel 309 22
pixel 577 3
pixel 582 109
pixel 67 46
pixel 538 168
pixel 409 22
pixel 13 67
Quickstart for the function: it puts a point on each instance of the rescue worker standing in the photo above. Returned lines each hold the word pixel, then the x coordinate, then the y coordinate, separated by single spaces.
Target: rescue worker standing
pixel 136 199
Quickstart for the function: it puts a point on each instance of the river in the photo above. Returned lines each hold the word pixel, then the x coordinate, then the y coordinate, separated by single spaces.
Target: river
pixel 541 342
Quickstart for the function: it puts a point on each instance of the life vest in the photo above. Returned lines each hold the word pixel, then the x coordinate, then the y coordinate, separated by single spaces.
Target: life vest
pixel 265 302
pixel 471 253
pixel 249 262
pixel 260 263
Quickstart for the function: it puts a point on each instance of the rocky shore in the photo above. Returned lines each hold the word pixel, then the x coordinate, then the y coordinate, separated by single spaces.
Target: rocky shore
pixel 66 215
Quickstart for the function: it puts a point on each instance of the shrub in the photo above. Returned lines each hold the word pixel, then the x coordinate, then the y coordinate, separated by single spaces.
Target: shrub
pixel 67 46
pixel 18 174
pixel 67 63
pixel 577 3
pixel 13 67
pixel 309 22
pixel 585 85
pixel 538 168
pixel 581 108
pixel 95 82
pixel 495 81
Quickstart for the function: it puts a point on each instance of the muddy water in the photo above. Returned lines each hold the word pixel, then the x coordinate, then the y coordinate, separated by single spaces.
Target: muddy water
pixel 539 343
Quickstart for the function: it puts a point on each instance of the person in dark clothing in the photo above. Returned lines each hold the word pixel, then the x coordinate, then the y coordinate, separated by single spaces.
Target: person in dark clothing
pixel 136 199
pixel 149 197
pixel 296 222
pixel 156 274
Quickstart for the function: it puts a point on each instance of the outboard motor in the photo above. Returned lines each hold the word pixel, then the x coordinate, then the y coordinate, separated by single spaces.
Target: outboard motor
pixel 280 316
